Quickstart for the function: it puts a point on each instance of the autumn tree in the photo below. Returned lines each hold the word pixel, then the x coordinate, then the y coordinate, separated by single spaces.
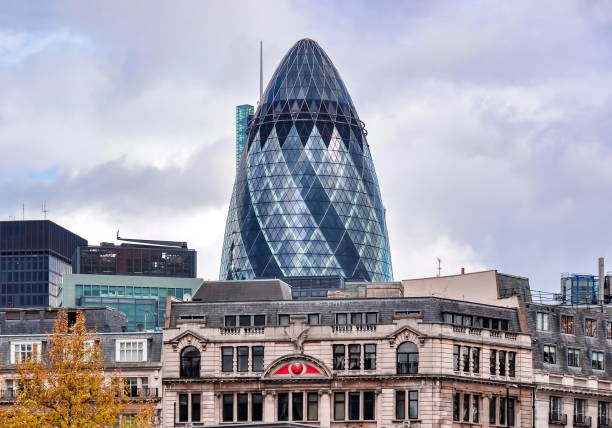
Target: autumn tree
pixel 66 387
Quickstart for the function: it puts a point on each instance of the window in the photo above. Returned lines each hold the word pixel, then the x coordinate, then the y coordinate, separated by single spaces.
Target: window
pixel 282 410
pixel 368 405
pixel 413 404
pixel 554 409
pixel 371 318
pixel 313 319
pixel 257 407
pixel 567 324
pixel 241 412
pixel 466 358
pixel 131 350
pixel 400 405
pixel 242 353
pixel 338 357
pixel 312 410
pixel 185 409
pixel 609 330
pixel 456 358
pixel 476 360
pixel 573 357
pixel 339 406
pixel 492 410
pixel 590 328
pixel 258 358
pixel 227 359
pixel 297 406
pixel 512 364
pixel 475 409
pixel 190 362
pixel 341 318
pixel 357 318
pixel 245 320
pixel 284 319
pixel 456 404
pixel 597 360
pixel 407 358
pixel 502 363
pixel 466 407
pixel 542 321
pixel 242 407
pixel 493 361
pixel 259 320
pixel 369 356
pixel 550 354
pixel 354 357
pixel 579 411
pixel 21 351
pixel 603 410
pixel 353 406
pixel 230 321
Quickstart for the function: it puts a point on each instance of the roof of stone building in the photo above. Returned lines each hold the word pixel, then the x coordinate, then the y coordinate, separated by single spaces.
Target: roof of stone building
pixel 108 342
pixel 430 308
pixel 260 425
pixel 243 291
pixel 578 340
pixel 42 320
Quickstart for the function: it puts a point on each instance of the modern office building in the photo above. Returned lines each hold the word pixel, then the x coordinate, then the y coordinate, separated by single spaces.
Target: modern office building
pixel 306 200
pixel 137 257
pixel 243 114
pixel 141 298
pixel 34 256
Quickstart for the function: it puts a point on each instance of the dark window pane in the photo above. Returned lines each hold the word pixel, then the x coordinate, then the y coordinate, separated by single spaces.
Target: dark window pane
pixel 297 404
pixel 245 320
pixel 339 400
pixel 354 406
pixel 313 319
pixel 242 407
pixel 190 362
pixel 414 405
pixel 230 320
pixel 369 405
pixel 227 359
pixel 400 405
pixel 456 400
pixel 258 358
pixel 313 406
pixel 228 407
pixel 369 357
pixel 284 319
pixel 466 407
pixel 243 358
pixel 354 357
pixel 338 357
pixel 257 407
pixel 183 407
pixel 282 411
pixel 195 407
pixel 492 410
pixel 259 320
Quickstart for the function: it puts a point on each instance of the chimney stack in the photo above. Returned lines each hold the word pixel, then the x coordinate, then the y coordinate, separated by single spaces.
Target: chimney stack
pixel 600 282
pixel 462 271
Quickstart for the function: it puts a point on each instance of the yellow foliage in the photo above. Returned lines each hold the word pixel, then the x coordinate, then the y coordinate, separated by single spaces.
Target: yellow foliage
pixel 68 388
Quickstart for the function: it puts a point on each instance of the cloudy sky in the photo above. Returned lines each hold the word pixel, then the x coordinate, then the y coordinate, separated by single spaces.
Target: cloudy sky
pixel 489 122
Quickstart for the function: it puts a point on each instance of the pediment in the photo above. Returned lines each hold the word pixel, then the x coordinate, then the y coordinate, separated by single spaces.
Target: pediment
pixel 406 333
pixel 187 337
pixel 296 366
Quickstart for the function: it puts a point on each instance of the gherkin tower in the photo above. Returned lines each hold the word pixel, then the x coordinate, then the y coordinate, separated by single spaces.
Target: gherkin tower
pixel 306 200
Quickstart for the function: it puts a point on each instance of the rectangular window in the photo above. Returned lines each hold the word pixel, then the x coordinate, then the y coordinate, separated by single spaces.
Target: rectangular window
pixel 259 320
pixel 369 404
pixel 573 357
pixel 371 318
pixel 579 411
pixel 282 410
pixel 466 407
pixel 313 319
pixel 244 320
pixel 341 318
pixel 597 360
pixel 297 406
pixel 550 354
pixel 338 357
pixel 554 409
pixel 493 361
pixel 456 404
pixel 356 318
pixel 475 409
pixel 413 404
pixel 353 406
pixel 227 359
pixel 502 363
pixel 22 351
pixel 512 364
pixel 466 358
pixel 502 411
pixel 195 407
pixel 476 360
pixel 258 358
pixel 609 330
pixel 603 410
pixel 590 328
pixel 339 407
pixel 492 410
pixel 131 350
pixel 369 356
pixel 242 407
pixel 284 319
pixel 542 321
pixel 456 358
pixel 567 324
pixel 511 412
pixel 400 405
pixel 228 407
pixel 243 358
pixel 257 407
pixel 230 320
pixel 312 411
pixel 354 357
pixel 183 407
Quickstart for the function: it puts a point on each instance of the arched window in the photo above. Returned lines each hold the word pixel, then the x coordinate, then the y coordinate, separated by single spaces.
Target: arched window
pixel 407 358
pixel 190 362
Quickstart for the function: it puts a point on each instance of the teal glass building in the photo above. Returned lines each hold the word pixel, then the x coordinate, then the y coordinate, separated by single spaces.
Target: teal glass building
pixel 243 115
pixel 142 299
pixel 306 200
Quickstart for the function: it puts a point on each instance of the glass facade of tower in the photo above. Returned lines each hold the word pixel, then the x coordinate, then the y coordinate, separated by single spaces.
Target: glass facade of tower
pixel 306 200
pixel 243 114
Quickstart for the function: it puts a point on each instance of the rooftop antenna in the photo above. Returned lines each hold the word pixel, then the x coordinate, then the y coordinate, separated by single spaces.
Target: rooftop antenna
pixel 439 265
pixel 44 209
pixel 260 70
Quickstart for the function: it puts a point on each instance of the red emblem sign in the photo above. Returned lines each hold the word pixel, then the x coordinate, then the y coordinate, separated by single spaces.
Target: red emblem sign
pixel 297 369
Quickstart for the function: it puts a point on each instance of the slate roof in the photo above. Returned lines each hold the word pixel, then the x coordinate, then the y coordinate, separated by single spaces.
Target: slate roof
pixel 243 291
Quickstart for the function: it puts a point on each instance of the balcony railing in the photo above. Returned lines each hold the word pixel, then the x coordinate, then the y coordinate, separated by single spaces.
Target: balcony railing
pixel 408 368
pixel 557 418
pixel 135 393
pixel 510 336
pixel 8 394
pixel 357 328
pixel 242 330
pixel 582 421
